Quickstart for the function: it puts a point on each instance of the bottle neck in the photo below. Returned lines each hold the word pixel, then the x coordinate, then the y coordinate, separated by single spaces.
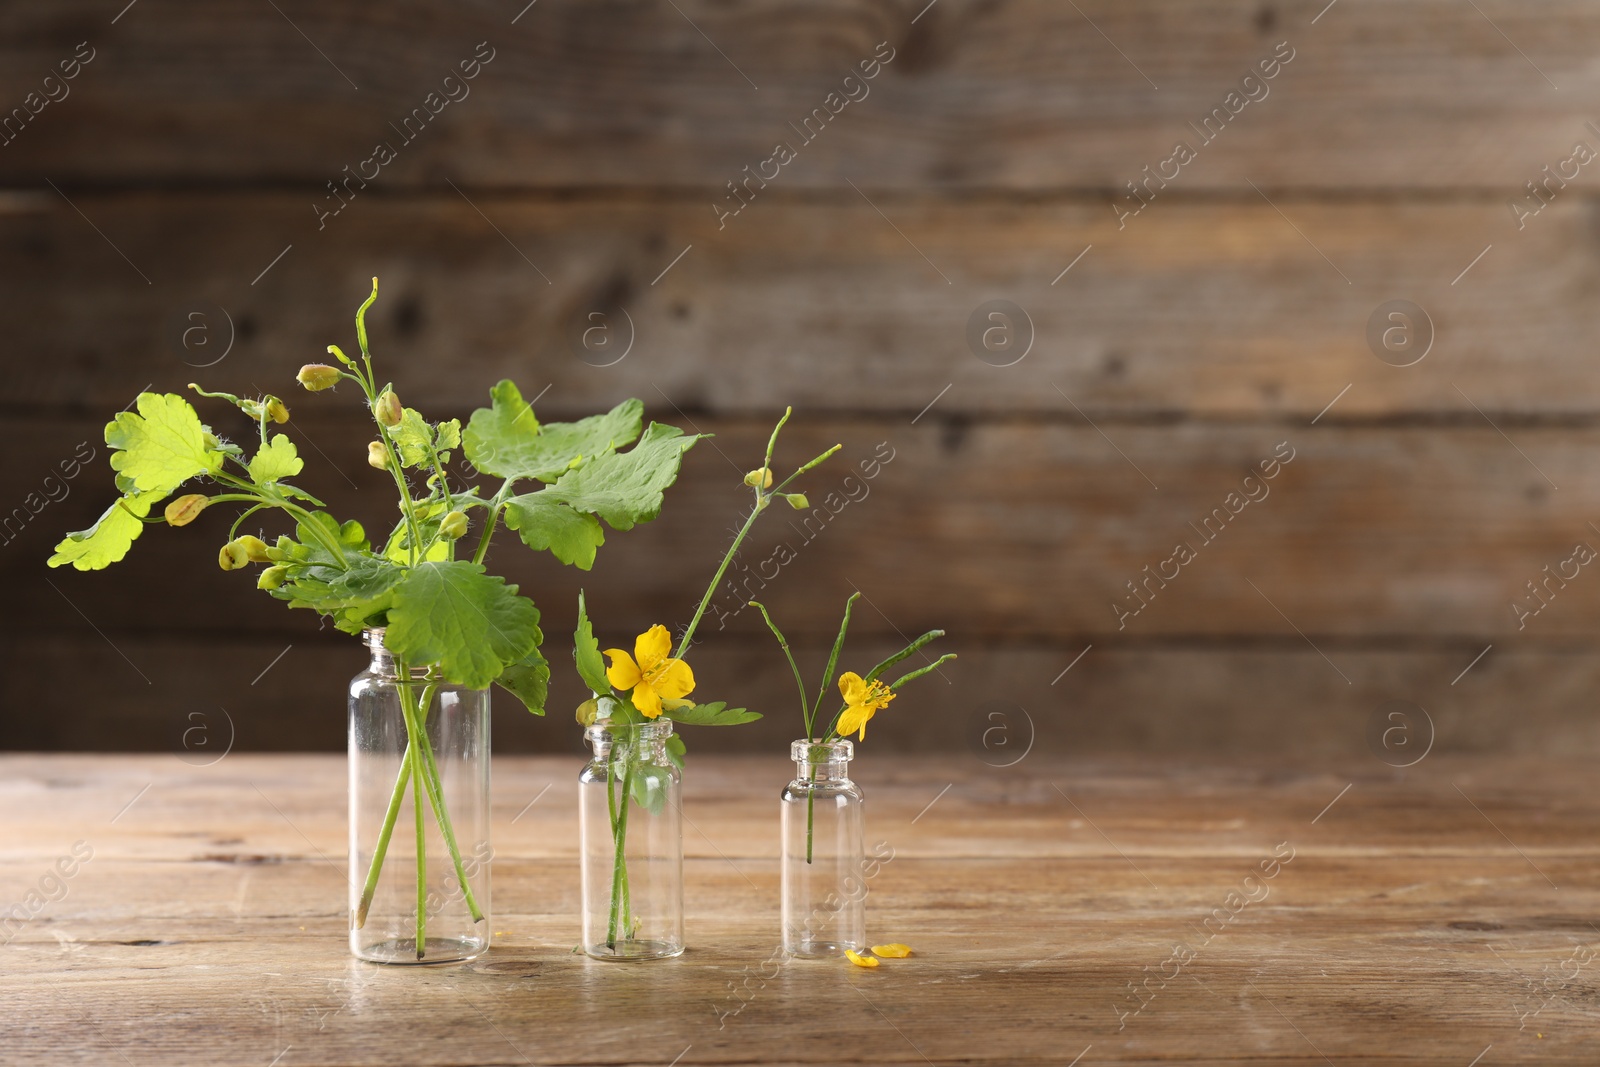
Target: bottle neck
pixel 384 664
pixel 829 762
pixel 648 741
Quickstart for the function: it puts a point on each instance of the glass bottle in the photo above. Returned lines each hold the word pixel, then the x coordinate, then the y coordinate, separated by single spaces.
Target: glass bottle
pixel 824 883
pixel 631 832
pixel 419 815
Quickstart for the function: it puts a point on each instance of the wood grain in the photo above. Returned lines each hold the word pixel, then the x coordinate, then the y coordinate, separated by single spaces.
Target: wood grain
pixel 207 925
pixel 196 697
pixel 1209 310
pixel 1016 95
pixel 1001 530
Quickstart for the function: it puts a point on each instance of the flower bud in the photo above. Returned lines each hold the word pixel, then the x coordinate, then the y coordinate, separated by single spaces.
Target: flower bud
pixel 587 712
pixel 453 525
pixel 377 456
pixel 277 411
pixel 318 376
pixel 797 501
pixel 272 577
pixel 387 410
pixel 255 549
pixel 232 556
pixel 762 477
pixel 185 509
pixel 333 350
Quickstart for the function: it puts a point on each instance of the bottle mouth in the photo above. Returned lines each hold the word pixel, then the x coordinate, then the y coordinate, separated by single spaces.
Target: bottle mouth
pixel 373 638
pixel 604 732
pixel 815 752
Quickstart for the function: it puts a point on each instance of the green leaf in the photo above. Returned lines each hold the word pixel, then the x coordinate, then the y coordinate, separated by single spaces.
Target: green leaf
pixel 546 523
pixel 275 460
pixel 586 650
pixel 529 680
pixel 624 488
pixel 161 446
pixel 448 435
pixel 676 750
pixel 109 539
pixel 649 787
pixel 506 439
pixel 472 625
pixel 412 437
pixel 327 589
pixel 715 714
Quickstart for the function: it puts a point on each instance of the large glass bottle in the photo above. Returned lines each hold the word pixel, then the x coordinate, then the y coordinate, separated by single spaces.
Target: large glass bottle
pixel 631 832
pixel 824 882
pixel 419 815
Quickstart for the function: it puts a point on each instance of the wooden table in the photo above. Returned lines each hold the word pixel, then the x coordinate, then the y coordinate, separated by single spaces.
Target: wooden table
pixel 1427 916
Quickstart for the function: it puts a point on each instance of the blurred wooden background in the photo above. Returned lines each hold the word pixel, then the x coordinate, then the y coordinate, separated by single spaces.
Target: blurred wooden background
pixel 182 172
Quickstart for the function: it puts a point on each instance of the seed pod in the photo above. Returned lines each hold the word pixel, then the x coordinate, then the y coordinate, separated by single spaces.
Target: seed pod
pixel 377 456
pixel 277 411
pixel 272 577
pixel 318 376
pixel 761 476
pixel 184 510
pixel 797 501
pixel 333 350
pixel 453 525
pixel 387 410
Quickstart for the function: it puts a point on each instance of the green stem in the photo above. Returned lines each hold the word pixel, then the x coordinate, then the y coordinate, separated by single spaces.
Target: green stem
pixel 494 505
pixel 401 782
pixel 619 873
pixel 783 643
pixel 705 601
pixel 441 813
pixel 811 799
pixel 371 887
pixel 422 852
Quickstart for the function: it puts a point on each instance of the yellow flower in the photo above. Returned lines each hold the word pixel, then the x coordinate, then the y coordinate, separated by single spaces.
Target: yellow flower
pixel 893 951
pixel 657 680
pixel 858 959
pixel 862 698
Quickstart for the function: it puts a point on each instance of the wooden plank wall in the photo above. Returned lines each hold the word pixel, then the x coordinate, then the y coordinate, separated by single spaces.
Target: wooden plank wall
pixel 1181 336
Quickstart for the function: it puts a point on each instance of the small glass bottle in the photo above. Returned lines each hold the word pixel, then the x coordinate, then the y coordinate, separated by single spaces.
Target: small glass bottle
pixel 419 801
pixel 631 833
pixel 824 884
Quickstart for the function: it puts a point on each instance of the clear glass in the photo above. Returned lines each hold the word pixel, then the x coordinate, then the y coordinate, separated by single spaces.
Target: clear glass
pixel 824 862
pixel 419 815
pixel 631 828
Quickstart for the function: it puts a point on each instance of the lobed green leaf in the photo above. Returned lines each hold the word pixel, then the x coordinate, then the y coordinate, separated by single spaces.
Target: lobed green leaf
pixel 471 624
pixel 160 446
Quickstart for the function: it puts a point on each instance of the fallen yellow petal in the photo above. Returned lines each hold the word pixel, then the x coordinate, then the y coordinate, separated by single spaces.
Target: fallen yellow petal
pixel 859 960
pixel 895 951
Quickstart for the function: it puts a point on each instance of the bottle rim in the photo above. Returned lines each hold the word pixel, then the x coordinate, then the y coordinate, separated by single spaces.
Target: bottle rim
pixel 806 751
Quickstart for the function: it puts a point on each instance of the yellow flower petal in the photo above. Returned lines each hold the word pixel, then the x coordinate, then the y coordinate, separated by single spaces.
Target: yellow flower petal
pixel 855 719
pixel 893 951
pixel 853 689
pixel 859 960
pixel 647 700
pixel 623 672
pixel 671 678
pixel 652 646
pixel 675 703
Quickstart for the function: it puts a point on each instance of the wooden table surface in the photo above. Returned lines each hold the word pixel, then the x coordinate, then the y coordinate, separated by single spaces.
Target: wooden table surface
pixel 1445 914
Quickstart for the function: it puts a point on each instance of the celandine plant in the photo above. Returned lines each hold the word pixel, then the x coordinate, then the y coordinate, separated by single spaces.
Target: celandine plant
pixel 441 629
pixel 824 899
pixel 629 816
